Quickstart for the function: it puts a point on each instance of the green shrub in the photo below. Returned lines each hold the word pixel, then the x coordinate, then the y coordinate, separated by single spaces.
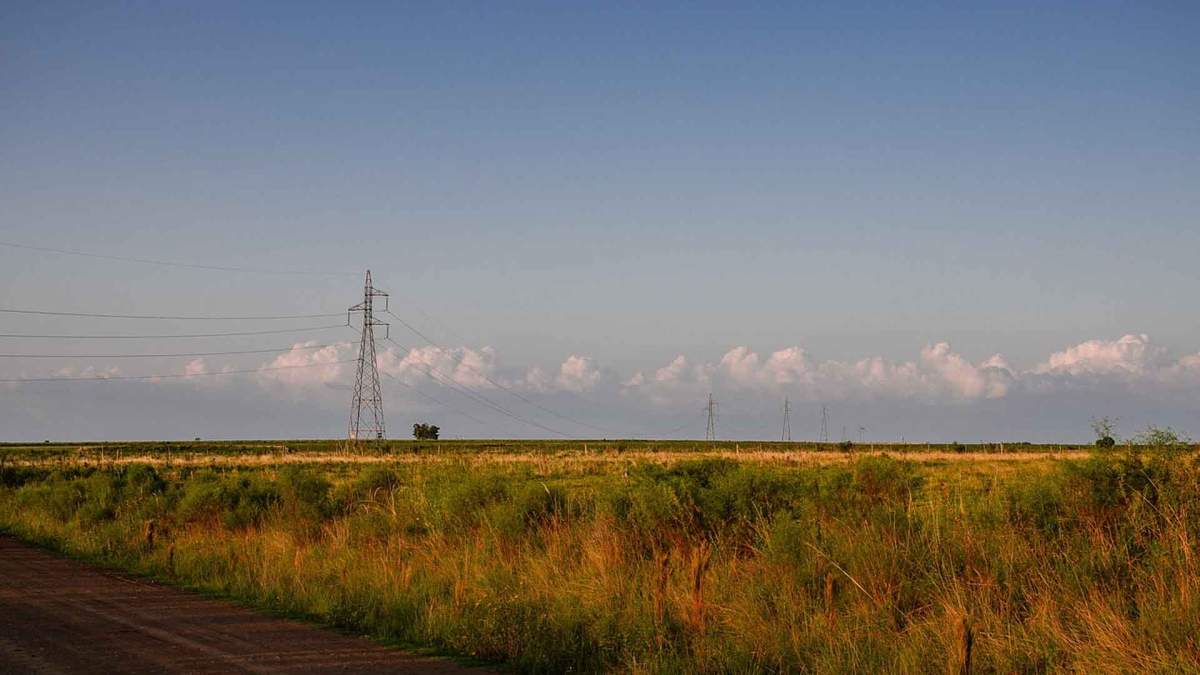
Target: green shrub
pixel 1037 501
pixel 376 479
pixel 465 496
pixel 142 480
pixel 883 479
pixel 237 501
pixel 304 493
pixel 532 505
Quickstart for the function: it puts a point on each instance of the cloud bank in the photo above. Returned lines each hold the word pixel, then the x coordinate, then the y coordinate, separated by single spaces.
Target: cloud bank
pixel 937 392
pixel 937 374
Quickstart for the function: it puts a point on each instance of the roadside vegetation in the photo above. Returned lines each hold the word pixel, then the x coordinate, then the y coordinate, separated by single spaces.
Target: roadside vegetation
pixel 875 563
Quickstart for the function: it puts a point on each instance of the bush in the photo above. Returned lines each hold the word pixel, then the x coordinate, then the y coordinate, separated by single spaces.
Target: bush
pixel 142 480
pixel 1038 501
pixel 883 479
pixel 304 493
pixel 466 496
pixel 425 432
pixel 1108 480
pixel 374 480
pixel 533 505
pixel 236 501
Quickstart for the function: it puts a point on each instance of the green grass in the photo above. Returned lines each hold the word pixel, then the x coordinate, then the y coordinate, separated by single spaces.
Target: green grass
pixel 713 564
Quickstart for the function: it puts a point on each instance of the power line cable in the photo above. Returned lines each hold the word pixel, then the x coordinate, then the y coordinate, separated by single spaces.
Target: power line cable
pixel 170 317
pixel 102 378
pixel 679 428
pixel 173 263
pixel 427 397
pixel 476 396
pixel 496 384
pixel 164 337
pixel 173 354
pixel 479 398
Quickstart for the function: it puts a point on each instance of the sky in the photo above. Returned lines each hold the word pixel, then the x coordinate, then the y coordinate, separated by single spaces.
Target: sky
pixel 958 221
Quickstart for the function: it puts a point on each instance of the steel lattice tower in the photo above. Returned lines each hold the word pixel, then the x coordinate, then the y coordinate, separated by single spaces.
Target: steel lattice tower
pixel 787 421
pixel 710 434
pixel 366 407
pixel 824 424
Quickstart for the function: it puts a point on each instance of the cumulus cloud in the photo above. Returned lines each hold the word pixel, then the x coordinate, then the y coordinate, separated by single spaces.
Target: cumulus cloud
pixel 937 374
pixel 302 365
pixel 577 373
pixel 462 365
pixel 676 380
pixel 537 379
pixel 195 367
pixel 1131 354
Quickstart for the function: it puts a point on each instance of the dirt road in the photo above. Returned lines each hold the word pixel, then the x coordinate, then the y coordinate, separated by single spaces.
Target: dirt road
pixel 62 616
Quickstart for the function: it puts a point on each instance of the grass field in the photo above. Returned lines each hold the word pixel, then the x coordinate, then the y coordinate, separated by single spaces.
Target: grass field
pixel 661 556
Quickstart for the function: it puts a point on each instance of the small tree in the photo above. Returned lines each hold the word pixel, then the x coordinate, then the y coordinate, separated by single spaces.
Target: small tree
pixel 425 432
pixel 1163 438
pixel 1104 427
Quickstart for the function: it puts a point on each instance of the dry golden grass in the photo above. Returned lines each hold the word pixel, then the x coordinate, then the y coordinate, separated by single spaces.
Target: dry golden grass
pixel 951 562
pixel 568 460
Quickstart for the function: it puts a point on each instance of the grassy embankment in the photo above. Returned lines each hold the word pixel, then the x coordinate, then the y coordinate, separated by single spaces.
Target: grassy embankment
pixel 757 562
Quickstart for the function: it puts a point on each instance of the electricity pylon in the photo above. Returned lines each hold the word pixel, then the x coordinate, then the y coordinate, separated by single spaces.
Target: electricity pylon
pixel 787 421
pixel 366 407
pixel 710 434
pixel 824 424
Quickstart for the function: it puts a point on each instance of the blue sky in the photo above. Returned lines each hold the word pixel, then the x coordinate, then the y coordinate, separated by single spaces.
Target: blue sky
pixel 621 184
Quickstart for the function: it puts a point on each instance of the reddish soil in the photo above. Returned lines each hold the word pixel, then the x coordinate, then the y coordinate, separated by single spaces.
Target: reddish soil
pixel 63 616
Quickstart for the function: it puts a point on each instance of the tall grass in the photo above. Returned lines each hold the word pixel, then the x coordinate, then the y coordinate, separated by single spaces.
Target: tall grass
pixel 879 564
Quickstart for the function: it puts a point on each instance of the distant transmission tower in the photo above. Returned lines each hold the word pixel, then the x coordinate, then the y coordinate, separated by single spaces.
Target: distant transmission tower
pixel 366 407
pixel 787 421
pixel 824 424
pixel 710 434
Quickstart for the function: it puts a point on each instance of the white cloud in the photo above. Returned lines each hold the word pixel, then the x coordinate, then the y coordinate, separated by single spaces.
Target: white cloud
pixel 302 365
pixel 676 381
pixel 464 366
pixel 1131 354
pixel 537 379
pixel 673 371
pixel 938 373
pixel 577 373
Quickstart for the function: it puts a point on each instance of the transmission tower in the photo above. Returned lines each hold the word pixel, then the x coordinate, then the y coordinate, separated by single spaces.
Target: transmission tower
pixel 824 424
pixel 710 434
pixel 366 407
pixel 787 421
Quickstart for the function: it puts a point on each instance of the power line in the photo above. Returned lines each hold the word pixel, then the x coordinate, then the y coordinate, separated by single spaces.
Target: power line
pixel 157 337
pixel 169 317
pixel 674 430
pixel 427 397
pixel 476 396
pixel 462 389
pixel 102 378
pixel 171 263
pixel 171 355
pixel 496 384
